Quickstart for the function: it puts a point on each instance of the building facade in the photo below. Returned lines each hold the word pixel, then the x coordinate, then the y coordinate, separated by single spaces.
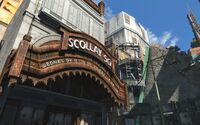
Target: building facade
pixel 56 68
pixel 73 14
pixel 123 28
pixel 178 88
pixel 132 47
pixel 7 10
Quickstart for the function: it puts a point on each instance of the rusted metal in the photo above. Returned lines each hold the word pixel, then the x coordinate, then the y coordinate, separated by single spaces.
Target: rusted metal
pixel 98 8
pixel 65 38
pixel 16 68
pixel 6 68
pixel 46 63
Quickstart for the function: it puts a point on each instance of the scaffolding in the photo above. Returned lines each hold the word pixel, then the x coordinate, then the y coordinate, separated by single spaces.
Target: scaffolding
pixel 132 65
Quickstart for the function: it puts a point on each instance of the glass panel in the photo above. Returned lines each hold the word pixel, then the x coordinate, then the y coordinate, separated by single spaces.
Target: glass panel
pixel 129 122
pixel 59 119
pixel 68 120
pixel 51 119
pixel 87 119
pixel 25 116
pixel 38 117
pixel 98 120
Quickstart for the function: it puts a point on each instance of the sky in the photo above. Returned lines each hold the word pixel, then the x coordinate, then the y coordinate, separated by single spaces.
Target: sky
pixel 165 20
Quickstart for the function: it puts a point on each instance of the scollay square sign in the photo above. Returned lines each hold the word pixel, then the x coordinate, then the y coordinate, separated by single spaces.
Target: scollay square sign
pixel 84 45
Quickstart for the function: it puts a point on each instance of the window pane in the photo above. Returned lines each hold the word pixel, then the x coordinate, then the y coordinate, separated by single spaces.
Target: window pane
pixel 25 116
pixel 59 119
pixel 38 117
pixel 68 119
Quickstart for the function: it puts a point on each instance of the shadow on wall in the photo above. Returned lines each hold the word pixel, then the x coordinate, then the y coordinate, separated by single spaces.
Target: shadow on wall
pixel 176 81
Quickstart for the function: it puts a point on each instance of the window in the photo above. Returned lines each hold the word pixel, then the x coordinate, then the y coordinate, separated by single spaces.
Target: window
pixel 129 122
pixel 134 40
pixel 131 97
pixel 59 119
pixel 30 116
pixel 127 19
pixel 143 34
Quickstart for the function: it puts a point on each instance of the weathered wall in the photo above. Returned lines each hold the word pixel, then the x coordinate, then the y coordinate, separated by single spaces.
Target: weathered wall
pixel 2 30
pixel 26 21
pixel 11 33
pixel 176 81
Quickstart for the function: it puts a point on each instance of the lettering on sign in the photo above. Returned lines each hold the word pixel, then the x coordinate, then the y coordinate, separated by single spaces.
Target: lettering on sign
pixel 68 60
pixel 56 62
pixel 81 44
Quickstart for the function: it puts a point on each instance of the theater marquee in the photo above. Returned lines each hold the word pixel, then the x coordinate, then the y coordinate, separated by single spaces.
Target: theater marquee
pixel 75 54
pixel 85 45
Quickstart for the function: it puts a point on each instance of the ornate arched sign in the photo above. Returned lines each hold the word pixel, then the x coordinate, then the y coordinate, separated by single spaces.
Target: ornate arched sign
pixel 72 52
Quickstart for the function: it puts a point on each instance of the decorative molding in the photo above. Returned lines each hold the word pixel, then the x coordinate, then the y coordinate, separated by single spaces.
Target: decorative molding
pixel 99 8
pixel 42 61
pixel 16 67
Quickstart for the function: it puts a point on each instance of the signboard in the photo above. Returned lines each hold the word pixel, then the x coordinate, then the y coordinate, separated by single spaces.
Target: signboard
pixel 88 46
pixel 78 61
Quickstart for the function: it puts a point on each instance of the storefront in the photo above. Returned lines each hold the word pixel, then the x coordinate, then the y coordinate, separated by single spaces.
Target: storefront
pixel 66 79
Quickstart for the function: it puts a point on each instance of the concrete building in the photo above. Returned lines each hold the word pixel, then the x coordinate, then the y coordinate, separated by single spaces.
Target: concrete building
pixel 132 47
pixel 123 28
pixel 178 87
pixel 172 83
pixel 55 68
pixel 168 91
pixel 29 19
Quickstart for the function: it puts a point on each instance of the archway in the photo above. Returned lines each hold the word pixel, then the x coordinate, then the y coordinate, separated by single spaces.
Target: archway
pixel 52 82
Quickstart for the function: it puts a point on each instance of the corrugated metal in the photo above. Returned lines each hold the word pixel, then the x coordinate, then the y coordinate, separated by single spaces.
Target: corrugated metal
pixel 74 16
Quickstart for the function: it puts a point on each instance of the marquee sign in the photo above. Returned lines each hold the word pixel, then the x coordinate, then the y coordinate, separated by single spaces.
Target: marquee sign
pixel 83 55
pixel 85 45
pixel 78 61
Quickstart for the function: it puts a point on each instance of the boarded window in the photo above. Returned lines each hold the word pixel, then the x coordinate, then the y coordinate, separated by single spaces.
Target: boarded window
pixel 134 40
pixel 127 19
